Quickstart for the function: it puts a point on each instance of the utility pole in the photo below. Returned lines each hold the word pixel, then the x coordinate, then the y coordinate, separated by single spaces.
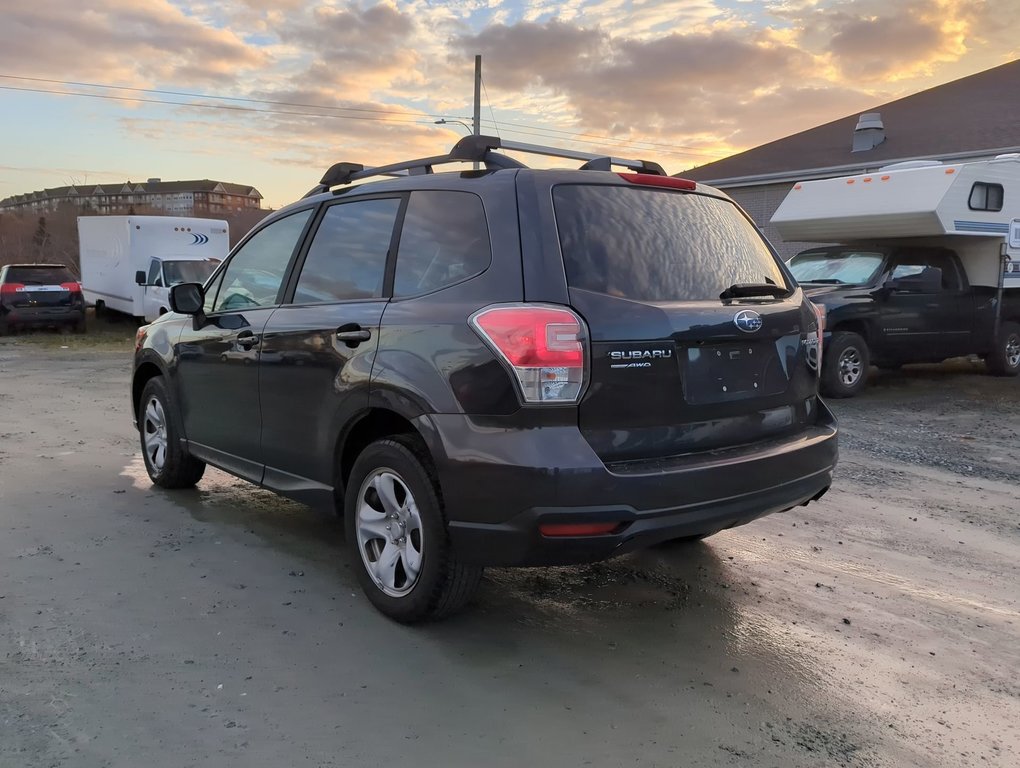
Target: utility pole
pixel 477 122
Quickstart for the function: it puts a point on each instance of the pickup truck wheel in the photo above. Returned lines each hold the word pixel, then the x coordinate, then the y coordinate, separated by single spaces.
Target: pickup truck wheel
pixel 397 537
pixel 845 365
pixel 1004 359
pixel 159 429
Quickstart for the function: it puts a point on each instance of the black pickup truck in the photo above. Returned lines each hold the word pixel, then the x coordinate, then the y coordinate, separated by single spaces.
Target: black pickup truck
pixel 890 305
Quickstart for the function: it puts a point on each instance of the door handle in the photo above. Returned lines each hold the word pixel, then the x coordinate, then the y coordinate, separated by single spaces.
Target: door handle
pixel 352 335
pixel 247 340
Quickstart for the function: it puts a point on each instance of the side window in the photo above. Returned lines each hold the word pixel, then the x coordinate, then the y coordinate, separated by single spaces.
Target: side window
pixel 985 197
pixel 155 274
pixel 210 293
pixel 347 258
pixel 444 240
pixel 255 273
pixel 950 276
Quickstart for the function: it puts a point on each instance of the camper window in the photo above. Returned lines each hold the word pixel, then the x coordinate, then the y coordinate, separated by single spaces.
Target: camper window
pixel 985 197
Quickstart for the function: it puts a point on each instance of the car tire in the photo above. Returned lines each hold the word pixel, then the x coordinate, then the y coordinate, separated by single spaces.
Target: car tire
pixel 845 365
pixel 1004 359
pixel 397 534
pixel 166 461
pixel 100 308
pixel 79 326
pixel 4 328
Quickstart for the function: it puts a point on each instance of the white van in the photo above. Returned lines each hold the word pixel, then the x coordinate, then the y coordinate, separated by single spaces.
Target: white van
pixel 128 263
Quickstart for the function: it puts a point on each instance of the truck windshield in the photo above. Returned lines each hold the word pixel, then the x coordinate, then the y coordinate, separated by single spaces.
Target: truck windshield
pixel 188 271
pixel 836 266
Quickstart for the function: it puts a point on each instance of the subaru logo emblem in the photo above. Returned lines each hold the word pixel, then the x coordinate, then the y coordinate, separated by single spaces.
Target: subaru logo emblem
pixel 747 320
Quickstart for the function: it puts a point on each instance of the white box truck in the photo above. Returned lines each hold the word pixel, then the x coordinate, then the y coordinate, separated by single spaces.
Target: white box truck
pixel 128 263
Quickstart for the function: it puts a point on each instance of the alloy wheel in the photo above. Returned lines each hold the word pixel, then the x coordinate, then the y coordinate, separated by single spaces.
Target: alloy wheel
pixel 154 432
pixel 390 533
pixel 1013 350
pixel 851 367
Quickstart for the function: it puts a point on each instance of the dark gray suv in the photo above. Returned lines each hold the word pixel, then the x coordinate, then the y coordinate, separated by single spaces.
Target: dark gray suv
pixel 498 367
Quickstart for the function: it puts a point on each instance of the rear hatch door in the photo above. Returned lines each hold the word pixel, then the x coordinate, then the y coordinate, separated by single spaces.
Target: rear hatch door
pixel 678 364
pixel 39 286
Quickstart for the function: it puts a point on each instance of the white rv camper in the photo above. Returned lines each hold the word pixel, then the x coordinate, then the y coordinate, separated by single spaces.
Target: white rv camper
pixel 973 208
pixel 924 265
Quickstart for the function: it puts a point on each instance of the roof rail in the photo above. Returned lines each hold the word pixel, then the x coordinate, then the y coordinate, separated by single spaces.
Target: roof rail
pixel 478 149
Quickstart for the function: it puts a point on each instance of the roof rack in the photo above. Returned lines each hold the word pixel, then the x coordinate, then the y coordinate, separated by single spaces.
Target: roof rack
pixel 478 149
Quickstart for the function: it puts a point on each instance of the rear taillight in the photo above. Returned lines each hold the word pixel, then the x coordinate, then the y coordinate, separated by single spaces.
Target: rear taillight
pixel 815 344
pixel 140 335
pixel 12 287
pixel 72 287
pixel 546 347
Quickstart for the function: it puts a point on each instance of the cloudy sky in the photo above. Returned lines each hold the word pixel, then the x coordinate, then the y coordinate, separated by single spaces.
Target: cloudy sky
pixel 271 92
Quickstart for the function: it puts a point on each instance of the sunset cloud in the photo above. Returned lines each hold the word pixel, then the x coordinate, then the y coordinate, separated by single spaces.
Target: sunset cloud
pixel 682 81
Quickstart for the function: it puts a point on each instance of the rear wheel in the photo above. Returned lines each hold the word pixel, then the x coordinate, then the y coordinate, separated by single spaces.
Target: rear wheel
pixel 845 365
pixel 397 536
pixel 1004 359
pixel 166 461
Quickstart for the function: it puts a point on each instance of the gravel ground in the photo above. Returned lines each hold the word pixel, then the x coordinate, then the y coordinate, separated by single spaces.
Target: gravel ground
pixel 223 626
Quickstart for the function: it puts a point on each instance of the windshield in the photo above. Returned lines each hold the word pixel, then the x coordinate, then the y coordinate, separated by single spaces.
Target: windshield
pixel 188 271
pixel 850 266
pixel 658 246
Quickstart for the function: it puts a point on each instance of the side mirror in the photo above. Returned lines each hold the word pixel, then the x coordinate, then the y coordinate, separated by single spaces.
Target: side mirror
pixel 187 298
pixel 140 277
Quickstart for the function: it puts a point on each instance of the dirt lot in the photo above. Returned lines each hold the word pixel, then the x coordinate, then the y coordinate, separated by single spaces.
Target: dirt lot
pixel 223 626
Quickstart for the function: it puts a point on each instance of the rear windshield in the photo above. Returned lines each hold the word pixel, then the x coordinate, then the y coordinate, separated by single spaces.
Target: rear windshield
pixel 836 266
pixel 39 275
pixel 657 245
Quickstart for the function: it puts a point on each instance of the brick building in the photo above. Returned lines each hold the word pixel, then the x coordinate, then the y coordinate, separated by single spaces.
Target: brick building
pixel 177 198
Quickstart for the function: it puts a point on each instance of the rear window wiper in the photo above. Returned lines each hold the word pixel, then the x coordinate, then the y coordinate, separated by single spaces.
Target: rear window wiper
pixel 746 290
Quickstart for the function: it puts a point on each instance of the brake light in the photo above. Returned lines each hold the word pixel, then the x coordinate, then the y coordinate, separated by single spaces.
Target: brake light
pixel 577 529
pixel 651 180
pixel 12 287
pixel 544 346
pixel 820 314
pixel 72 287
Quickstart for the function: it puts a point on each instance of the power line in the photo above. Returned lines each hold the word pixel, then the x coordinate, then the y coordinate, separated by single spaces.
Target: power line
pixel 210 106
pixel 489 102
pixel 693 150
pixel 216 97
pixel 385 116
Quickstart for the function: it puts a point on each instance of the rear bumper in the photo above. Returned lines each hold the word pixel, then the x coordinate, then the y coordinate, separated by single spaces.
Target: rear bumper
pixel 500 486
pixel 43 315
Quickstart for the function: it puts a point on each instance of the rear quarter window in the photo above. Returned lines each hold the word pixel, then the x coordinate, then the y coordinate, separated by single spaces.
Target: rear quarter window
pixel 444 241
pixel 658 245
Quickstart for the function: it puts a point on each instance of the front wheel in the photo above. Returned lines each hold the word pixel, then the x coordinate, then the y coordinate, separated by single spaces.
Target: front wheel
pixel 166 461
pixel 1004 359
pixel 396 533
pixel 845 365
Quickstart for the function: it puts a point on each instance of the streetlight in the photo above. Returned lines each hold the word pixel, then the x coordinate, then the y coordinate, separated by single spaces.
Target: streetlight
pixel 444 121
